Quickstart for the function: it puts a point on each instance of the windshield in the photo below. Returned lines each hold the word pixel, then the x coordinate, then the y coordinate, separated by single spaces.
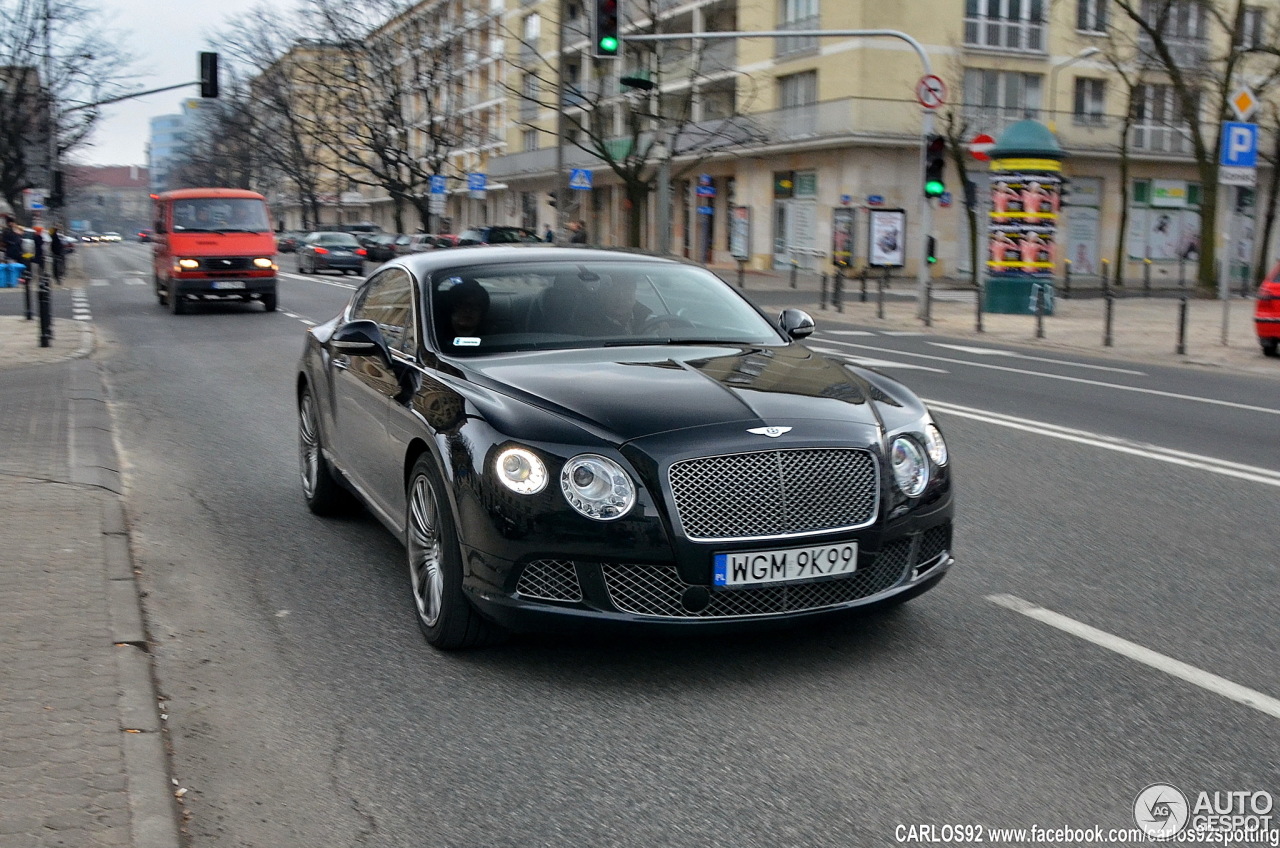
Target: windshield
pixel 533 306
pixel 220 215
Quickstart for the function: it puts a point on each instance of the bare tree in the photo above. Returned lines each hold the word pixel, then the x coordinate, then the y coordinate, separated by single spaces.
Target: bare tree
pixel 1174 39
pixel 631 132
pixel 82 67
pixel 225 151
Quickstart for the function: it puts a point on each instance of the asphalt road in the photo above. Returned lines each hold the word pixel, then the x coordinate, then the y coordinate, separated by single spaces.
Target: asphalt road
pixel 305 709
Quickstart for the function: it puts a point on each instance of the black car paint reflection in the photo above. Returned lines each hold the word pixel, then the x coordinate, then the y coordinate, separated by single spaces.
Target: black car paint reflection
pixel 643 406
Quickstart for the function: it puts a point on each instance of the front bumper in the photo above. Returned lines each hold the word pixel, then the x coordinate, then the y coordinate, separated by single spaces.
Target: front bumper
pixel 223 286
pixel 573 594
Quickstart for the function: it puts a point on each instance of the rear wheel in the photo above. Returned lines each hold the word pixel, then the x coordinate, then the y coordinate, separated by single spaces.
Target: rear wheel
pixel 445 616
pixel 321 489
pixel 1271 347
pixel 302 265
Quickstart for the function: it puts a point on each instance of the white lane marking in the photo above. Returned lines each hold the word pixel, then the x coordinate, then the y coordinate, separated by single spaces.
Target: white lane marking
pixel 1199 462
pixel 317 279
pixel 80 306
pixel 875 363
pixel 1155 392
pixel 902 333
pixel 848 333
pixel 97 281
pixel 134 281
pixel 991 351
pixel 300 318
pixel 1175 668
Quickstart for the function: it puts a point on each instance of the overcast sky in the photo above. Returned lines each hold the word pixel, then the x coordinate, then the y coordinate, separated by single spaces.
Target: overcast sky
pixel 164 37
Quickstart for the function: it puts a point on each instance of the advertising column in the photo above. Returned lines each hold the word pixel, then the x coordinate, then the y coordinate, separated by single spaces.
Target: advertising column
pixel 1026 183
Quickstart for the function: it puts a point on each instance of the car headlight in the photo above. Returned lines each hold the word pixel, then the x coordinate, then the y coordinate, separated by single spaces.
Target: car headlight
pixel 597 487
pixel 910 467
pixel 263 262
pixel 188 264
pixel 936 445
pixel 521 471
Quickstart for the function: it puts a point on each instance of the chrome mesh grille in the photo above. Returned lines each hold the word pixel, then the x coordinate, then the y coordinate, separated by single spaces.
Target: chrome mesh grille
pixel 550 580
pixel 764 494
pixel 657 590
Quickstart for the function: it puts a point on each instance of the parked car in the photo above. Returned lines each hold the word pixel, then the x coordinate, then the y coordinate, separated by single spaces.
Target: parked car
pixel 144 236
pixel 446 239
pixel 383 247
pixel 330 252
pixel 497 235
pixel 416 243
pixel 111 237
pixel 496 410
pixel 288 242
pixel 1266 313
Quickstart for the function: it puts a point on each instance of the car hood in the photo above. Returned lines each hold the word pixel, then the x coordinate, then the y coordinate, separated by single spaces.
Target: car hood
pixel 632 392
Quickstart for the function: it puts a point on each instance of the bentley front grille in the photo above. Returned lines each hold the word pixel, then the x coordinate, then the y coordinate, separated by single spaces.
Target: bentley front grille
pixel 769 494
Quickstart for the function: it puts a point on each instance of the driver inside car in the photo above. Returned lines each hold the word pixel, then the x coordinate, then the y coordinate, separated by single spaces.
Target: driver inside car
pixel 617 312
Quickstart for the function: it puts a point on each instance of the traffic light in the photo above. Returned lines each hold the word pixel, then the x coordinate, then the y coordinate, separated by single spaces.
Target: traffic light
pixel 208 74
pixel 931 250
pixel 935 163
pixel 607 43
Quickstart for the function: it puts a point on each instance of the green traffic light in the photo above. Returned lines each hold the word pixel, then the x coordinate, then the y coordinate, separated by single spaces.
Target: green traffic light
pixel 934 188
pixel 608 44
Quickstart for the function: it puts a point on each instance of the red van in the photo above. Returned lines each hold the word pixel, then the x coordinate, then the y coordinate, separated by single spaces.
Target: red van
pixel 213 244
pixel 1266 314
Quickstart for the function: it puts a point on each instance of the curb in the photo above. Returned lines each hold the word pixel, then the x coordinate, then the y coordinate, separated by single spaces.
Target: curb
pixel 153 812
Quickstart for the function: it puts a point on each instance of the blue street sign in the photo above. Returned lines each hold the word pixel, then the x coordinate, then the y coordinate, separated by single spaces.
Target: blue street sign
pixel 704 179
pixel 1239 145
pixel 846 199
pixel 706 191
pixel 580 179
pixel 439 184
pixel 944 199
pixel 476 182
pixel 706 210
pixel 875 200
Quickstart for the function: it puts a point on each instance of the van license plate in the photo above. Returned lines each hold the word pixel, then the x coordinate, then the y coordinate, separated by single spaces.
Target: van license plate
pixel 229 284
pixel 751 568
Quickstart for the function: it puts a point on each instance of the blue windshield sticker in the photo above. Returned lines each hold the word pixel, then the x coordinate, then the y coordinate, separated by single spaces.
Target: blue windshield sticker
pixel 466 341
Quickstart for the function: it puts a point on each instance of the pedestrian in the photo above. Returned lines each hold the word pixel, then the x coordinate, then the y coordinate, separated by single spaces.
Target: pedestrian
pixel 14 250
pixel 579 233
pixel 58 249
pixel 550 234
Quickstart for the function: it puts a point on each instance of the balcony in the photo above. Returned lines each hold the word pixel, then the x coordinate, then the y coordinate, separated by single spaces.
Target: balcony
pixel 1003 34
pixel 1160 138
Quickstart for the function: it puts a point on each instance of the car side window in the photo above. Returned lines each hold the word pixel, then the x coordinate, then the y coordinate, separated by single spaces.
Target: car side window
pixel 387 300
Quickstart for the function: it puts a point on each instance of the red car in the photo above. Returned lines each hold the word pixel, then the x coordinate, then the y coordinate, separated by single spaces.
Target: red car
pixel 1267 312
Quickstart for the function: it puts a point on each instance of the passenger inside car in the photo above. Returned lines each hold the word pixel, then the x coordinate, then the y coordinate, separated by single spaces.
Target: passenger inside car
pixel 463 307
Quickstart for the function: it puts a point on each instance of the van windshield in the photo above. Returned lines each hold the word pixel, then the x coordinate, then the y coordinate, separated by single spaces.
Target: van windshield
pixel 220 215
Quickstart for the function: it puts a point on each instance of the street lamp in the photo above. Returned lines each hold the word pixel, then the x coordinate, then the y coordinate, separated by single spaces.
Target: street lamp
pixel 1053 83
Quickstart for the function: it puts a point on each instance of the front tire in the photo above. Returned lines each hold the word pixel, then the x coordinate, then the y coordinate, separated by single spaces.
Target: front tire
pixel 445 616
pixel 321 489
pixel 269 302
pixel 176 304
pixel 1271 347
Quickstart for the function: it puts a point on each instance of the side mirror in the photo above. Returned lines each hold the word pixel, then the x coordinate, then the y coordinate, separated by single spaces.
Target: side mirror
pixel 796 323
pixel 359 338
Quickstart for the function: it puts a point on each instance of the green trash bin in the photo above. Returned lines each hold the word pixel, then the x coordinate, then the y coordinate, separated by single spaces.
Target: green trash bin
pixel 1016 295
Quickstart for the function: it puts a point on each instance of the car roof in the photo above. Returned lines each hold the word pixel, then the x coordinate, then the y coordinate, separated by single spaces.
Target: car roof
pixel 427 263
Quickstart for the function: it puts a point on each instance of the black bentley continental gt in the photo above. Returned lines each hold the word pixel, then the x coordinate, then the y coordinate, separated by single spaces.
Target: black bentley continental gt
pixel 579 437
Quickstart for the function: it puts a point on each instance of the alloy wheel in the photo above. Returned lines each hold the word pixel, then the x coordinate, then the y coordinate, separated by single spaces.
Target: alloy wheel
pixel 308 444
pixel 425 551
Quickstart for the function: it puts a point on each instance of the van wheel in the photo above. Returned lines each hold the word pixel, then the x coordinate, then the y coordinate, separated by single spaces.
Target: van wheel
pixel 1271 347
pixel 176 304
pixel 269 302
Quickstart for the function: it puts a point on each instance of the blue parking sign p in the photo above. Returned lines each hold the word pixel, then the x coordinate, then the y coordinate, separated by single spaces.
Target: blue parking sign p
pixel 1239 145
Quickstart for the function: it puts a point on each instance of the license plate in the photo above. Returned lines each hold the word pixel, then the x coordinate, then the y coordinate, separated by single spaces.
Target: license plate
pixel 228 284
pixel 750 568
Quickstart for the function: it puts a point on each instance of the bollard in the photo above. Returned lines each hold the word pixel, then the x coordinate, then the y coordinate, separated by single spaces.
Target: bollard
pixel 1182 326
pixel 977 299
pixel 1066 281
pixel 928 303
pixel 838 296
pixel 1108 307
pixel 1039 311
pixel 795 266
pixel 1182 272
pixel 886 276
pixel 46 314
pixel 880 283
pixel 863 275
pixel 1106 274
pixel 822 293
pixel 26 294
pixel 742 273
pixel 1146 278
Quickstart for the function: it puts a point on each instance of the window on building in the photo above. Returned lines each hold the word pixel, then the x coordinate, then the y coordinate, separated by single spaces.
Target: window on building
pixel 995 99
pixel 1090 101
pixel 797 14
pixel 1184 27
pixel 798 90
pixel 1158 122
pixel 1091 15
pixel 530 139
pixel 1005 24
pixel 531 29
pixel 1252 32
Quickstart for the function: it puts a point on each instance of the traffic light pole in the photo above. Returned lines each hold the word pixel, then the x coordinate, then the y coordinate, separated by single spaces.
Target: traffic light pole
pixel 926 208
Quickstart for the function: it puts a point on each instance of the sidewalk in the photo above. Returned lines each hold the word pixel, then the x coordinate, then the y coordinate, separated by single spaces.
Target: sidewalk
pixel 82 758
pixel 1143 329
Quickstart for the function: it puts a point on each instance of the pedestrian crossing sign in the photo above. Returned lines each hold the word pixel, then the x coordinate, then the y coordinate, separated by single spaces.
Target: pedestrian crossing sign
pixel 580 179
